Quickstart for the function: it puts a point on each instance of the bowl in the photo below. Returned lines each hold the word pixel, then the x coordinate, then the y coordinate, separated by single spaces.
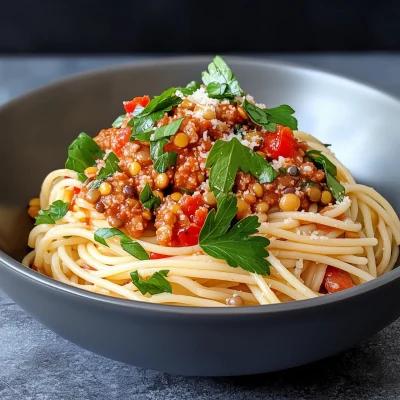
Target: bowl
pixel 36 130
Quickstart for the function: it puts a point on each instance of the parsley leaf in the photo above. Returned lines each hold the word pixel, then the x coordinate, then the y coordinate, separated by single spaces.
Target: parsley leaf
pixel 154 285
pixel 234 245
pixel 258 116
pixel 108 170
pixel 154 111
pixel 282 170
pixel 56 211
pixel 166 160
pixel 118 122
pixel 159 140
pixel 192 87
pixel 82 154
pixel 321 161
pixel 187 191
pixel 226 158
pixel 143 136
pixel 218 91
pixel 308 184
pixel 130 246
pixel 167 130
pixel 269 117
pixel 148 199
pixel 282 115
pixel 157 148
pixel 220 80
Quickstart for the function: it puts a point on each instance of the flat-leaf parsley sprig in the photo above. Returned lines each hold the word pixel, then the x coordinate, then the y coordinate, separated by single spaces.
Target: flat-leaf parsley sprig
pixel 234 244
pixel 321 161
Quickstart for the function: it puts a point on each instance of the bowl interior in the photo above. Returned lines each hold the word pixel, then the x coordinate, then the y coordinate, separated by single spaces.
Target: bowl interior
pixel 37 128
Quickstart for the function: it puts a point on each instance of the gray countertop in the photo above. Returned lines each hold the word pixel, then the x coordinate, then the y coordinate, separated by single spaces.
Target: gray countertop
pixel 35 363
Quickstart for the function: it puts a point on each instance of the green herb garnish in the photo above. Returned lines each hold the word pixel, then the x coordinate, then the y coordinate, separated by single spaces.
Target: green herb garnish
pixel 269 117
pixel 166 160
pixel 321 161
pixel 130 246
pixel 157 143
pixel 107 171
pixel 157 148
pixel 143 136
pixel 148 199
pixel 192 86
pixel 238 128
pixel 82 154
pixel 308 184
pixel 167 130
pixel 154 111
pixel 56 211
pixel 327 144
pixel 220 80
pixel 154 285
pixel 187 191
pixel 226 158
pixel 118 122
pixel 282 170
pixel 234 245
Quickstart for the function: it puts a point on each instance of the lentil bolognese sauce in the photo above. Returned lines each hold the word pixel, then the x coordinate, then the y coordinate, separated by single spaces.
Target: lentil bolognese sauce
pixel 203 197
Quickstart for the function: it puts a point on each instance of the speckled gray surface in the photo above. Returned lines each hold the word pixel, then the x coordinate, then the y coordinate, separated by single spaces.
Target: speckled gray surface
pixel 37 364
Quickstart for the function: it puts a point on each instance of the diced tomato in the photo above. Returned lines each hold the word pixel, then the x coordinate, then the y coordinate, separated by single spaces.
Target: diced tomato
pixel 336 280
pixel 137 101
pixel 280 143
pixel 120 140
pixel 76 192
pixel 190 204
pixel 189 236
pixel 205 125
pixel 192 207
pixel 157 256
pixel 200 216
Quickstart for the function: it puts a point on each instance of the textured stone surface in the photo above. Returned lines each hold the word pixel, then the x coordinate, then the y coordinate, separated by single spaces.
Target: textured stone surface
pixel 37 364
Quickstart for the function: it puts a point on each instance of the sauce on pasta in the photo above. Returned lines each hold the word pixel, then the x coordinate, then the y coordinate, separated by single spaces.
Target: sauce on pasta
pixel 203 197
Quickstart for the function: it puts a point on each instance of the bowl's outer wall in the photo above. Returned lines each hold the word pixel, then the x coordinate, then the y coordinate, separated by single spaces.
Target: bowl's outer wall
pixel 209 345
pixel 36 131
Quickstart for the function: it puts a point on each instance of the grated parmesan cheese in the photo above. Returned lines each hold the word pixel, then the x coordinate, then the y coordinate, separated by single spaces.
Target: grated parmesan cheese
pixel 179 94
pixel 200 96
pixel 276 164
pixel 298 269
pixel 317 235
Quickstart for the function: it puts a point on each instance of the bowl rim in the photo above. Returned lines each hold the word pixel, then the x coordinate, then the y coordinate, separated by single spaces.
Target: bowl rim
pixel 20 269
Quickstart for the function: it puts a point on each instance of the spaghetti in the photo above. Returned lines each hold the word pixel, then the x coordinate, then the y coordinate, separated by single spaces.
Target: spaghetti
pixel 317 245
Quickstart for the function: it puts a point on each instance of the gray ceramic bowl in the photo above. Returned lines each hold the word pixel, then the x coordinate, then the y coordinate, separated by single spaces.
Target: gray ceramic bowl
pixel 35 131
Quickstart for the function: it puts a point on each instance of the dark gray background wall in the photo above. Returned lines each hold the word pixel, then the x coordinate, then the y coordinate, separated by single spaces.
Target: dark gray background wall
pixel 114 26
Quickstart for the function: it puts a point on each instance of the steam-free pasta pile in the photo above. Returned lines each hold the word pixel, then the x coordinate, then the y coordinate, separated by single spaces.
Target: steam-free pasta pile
pixel 202 197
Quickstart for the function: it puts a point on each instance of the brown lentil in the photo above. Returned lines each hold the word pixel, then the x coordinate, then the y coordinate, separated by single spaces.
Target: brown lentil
pixel 93 195
pixel 235 301
pixel 129 190
pixel 100 208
